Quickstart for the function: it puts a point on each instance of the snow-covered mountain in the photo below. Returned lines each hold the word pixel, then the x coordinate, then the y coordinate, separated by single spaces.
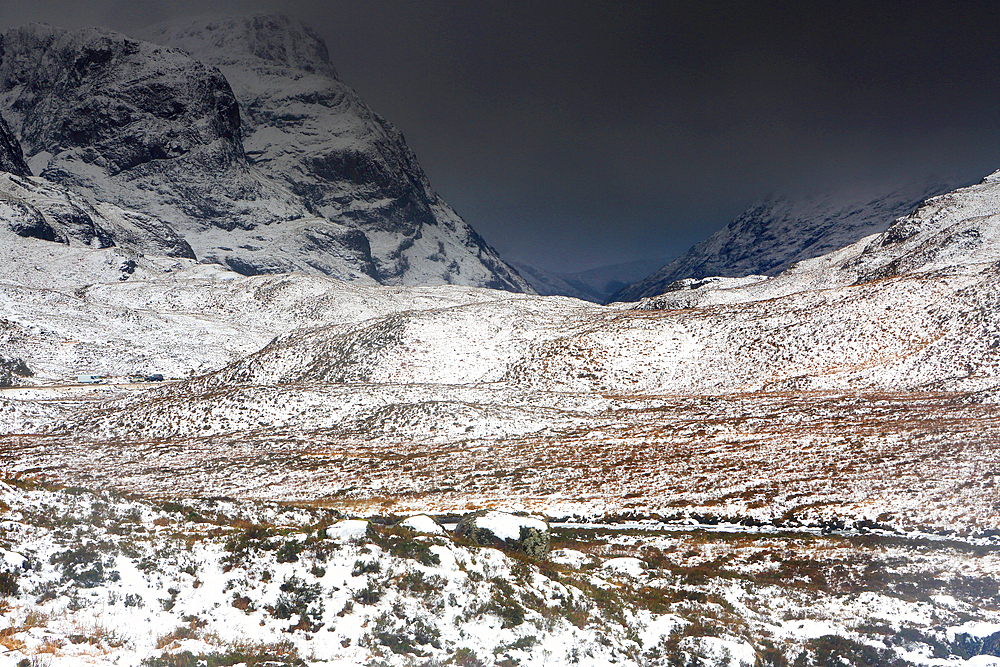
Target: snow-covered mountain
pixel 292 173
pixel 772 235
pixel 309 132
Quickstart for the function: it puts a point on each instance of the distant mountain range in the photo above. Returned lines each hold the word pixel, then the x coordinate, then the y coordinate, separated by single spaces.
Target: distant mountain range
pixel 597 284
pixel 232 142
pixel 772 235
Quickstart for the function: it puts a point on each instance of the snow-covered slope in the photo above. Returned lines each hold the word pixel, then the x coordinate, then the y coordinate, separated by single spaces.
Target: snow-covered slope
pixel 772 235
pixel 73 309
pixel 906 309
pixel 308 132
pixel 102 579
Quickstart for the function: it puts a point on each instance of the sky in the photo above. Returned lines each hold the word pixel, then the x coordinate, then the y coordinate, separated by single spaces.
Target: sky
pixel 580 134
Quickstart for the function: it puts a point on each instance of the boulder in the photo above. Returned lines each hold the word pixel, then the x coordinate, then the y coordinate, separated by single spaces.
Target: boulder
pixel 13 367
pixel 490 528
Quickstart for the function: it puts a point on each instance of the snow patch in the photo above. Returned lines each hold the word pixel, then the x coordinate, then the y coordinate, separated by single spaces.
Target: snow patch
pixel 508 526
pixel 421 523
pixel 347 530
pixel 570 557
pixel 633 567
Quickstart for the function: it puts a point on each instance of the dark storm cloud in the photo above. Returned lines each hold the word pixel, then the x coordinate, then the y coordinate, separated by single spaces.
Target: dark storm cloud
pixel 579 133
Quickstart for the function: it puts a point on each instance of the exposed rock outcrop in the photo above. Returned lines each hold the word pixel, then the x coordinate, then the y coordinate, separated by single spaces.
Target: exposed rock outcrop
pixel 149 129
pixel 36 208
pixel 12 368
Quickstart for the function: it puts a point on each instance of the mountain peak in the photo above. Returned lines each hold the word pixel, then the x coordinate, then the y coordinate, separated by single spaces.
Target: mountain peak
pixel 237 134
pixel 270 39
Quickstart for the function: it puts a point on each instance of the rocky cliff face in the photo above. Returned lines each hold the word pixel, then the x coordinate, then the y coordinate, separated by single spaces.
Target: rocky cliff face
pixel 150 129
pixel 36 208
pixel 771 236
pixel 306 179
pixel 120 119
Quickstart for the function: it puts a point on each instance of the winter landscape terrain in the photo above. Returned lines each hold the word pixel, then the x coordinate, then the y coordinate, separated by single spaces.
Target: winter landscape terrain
pixel 357 450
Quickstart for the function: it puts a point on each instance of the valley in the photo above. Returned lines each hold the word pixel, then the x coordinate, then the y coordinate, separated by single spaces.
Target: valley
pixel 365 440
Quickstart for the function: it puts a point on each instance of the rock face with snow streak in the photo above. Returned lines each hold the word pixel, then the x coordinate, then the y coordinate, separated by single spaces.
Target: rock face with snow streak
pixel 769 237
pixel 36 208
pixel 307 131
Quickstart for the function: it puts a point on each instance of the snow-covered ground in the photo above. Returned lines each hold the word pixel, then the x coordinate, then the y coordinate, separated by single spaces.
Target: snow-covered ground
pixel 100 578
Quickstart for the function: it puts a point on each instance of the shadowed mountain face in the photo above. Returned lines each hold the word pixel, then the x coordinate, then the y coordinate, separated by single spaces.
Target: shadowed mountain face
pixel 771 236
pixel 292 172
pixel 11 157
pixel 124 120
